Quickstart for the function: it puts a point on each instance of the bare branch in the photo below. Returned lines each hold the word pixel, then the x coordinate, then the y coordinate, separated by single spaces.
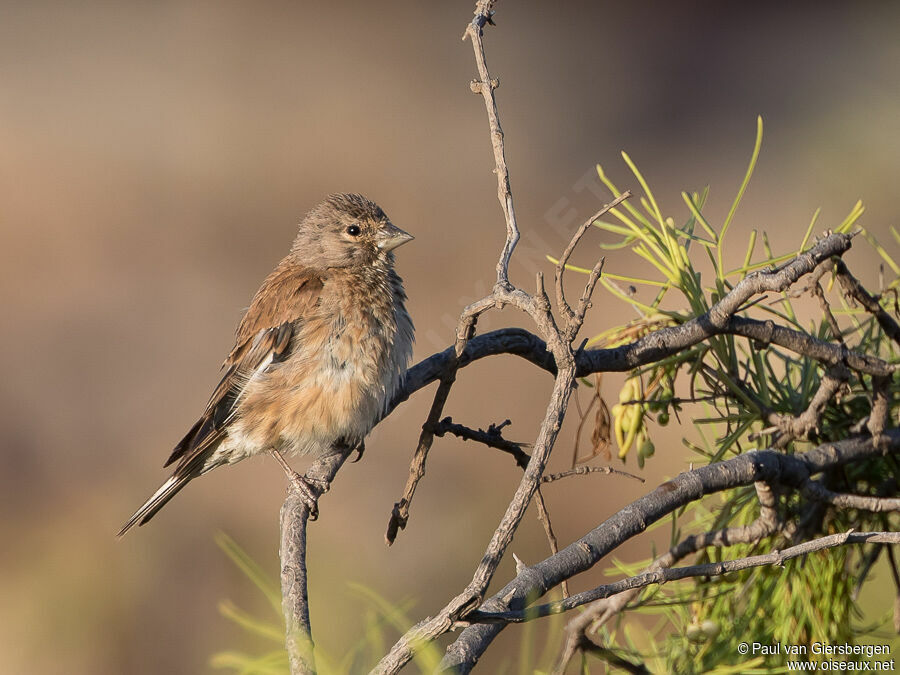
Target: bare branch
pixel 585 302
pixel 854 289
pixel 778 279
pixel 800 426
pixel 815 490
pixel 559 345
pixel 544 518
pixel 491 438
pixel 826 310
pixel 485 86
pixel 585 470
pixel 881 407
pixel 571 318
pixel 768 507
pixel 767 332
pixel 295 513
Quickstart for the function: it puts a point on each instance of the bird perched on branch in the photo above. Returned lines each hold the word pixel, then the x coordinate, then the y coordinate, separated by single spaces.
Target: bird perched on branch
pixel 317 356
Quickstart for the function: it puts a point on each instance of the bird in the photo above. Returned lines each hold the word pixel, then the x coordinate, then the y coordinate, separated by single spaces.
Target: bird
pixel 317 356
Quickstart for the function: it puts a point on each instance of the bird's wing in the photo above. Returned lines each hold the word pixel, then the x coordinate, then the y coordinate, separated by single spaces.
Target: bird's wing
pixel 264 335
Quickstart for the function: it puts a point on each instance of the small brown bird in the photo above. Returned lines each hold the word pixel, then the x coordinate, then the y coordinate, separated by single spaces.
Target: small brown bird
pixel 317 356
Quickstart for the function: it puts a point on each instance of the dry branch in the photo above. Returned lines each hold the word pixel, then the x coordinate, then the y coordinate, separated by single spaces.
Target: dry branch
pixel 666 574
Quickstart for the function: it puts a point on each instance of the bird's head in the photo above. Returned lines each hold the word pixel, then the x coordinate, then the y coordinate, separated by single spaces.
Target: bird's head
pixel 347 230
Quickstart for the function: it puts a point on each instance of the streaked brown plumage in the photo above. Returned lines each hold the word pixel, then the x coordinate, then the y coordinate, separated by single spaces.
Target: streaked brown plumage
pixel 318 354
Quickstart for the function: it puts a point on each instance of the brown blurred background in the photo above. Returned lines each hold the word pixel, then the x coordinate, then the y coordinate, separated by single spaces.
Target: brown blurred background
pixel 154 160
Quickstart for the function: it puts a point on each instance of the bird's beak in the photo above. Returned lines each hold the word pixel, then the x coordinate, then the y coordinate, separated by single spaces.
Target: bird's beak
pixel 391 237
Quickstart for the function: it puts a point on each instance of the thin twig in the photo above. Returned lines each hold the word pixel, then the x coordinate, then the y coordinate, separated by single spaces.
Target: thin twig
pixel 400 512
pixel 544 518
pixel 485 86
pixel 855 290
pixel 585 470
pixel 815 490
pixel 826 310
pixel 571 317
pixel 491 438
pixel 582 419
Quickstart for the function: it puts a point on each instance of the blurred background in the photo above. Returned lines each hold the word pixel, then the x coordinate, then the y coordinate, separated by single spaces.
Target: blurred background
pixel 154 161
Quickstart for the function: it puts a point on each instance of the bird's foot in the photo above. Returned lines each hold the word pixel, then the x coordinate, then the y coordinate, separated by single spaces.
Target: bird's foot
pixel 360 449
pixel 308 489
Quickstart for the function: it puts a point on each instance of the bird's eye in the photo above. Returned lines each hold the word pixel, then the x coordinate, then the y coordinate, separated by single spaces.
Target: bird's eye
pixel 353 230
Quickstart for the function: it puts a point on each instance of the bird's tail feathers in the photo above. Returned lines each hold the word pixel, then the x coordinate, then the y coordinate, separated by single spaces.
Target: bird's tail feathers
pixel 159 499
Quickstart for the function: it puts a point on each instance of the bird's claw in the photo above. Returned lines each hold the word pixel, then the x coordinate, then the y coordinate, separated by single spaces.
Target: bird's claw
pixel 360 449
pixel 306 490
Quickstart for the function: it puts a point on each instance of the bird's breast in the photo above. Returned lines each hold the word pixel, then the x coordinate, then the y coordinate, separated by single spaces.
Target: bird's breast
pixel 341 371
